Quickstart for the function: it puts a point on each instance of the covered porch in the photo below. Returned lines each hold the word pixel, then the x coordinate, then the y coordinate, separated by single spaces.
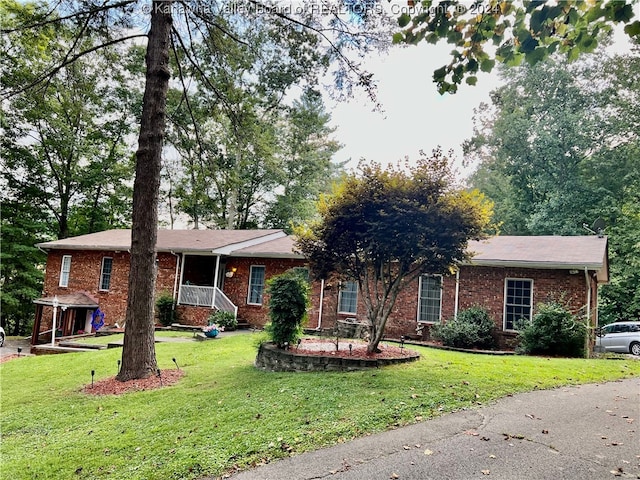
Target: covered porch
pixel 65 315
pixel 201 282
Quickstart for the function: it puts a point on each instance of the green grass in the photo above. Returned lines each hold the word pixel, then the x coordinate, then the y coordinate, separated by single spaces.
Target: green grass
pixel 225 413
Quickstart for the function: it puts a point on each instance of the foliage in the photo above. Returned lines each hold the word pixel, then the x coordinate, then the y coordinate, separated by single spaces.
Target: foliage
pixel 522 31
pixel 223 319
pixel 166 309
pixel 306 170
pixel 557 148
pixel 21 272
pixel 367 230
pixel 303 411
pixel 288 303
pixel 553 331
pixel 63 148
pixel 472 328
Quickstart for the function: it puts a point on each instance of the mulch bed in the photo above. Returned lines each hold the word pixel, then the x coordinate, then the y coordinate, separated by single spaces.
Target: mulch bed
pixel 6 358
pixel 326 347
pixel 111 386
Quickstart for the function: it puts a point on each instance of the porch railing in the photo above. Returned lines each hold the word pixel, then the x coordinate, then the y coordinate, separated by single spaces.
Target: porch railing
pixel 211 297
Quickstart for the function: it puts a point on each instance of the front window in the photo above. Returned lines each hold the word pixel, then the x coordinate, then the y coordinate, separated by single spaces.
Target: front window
pixel 105 274
pixel 348 297
pixel 517 302
pixel 430 299
pixel 65 269
pixel 256 285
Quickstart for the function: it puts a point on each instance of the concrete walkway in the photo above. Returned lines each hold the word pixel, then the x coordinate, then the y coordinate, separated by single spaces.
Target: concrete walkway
pixel 582 432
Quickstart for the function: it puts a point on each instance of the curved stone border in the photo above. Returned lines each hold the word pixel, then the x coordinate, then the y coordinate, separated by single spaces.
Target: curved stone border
pixel 274 359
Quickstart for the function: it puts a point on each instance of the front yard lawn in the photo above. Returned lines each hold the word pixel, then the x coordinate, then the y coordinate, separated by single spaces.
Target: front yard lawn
pixel 226 414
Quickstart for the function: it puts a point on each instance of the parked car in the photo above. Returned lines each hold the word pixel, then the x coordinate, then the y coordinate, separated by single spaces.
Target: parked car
pixel 621 337
pixel 2 335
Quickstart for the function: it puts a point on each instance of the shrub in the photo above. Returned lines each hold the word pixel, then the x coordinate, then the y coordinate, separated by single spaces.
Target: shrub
pixel 227 320
pixel 553 331
pixel 288 303
pixel 471 329
pixel 165 309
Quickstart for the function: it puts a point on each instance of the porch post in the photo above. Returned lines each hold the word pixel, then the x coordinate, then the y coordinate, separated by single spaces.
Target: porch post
pixel 184 260
pixel 215 282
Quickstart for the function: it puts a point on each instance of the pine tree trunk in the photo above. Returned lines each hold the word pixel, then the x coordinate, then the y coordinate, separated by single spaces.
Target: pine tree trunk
pixel 138 353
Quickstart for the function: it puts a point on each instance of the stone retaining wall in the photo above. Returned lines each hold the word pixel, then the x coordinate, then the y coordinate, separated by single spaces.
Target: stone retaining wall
pixel 274 359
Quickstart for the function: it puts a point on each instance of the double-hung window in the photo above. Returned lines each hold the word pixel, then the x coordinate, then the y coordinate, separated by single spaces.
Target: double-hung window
pixel 105 273
pixel 65 269
pixel 256 285
pixel 348 301
pixel 430 298
pixel 518 301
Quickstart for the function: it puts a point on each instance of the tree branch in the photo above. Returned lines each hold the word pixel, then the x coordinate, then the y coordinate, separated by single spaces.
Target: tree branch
pixel 69 60
pixel 60 19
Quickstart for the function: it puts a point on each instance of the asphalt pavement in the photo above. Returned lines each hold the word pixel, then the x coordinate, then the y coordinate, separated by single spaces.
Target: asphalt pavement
pixel 580 432
pixel 11 347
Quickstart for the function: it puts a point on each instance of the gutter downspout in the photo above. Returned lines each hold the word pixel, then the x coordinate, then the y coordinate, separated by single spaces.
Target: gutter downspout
pixel 175 280
pixel 588 325
pixel 455 307
pixel 319 327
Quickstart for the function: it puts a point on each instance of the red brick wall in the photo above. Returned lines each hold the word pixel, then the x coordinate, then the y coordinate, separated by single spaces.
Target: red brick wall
pixel 482 286
pixel 237 289
pixel 85 276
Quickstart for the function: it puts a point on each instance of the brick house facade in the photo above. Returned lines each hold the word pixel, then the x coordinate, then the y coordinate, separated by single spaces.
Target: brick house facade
pixel 508 276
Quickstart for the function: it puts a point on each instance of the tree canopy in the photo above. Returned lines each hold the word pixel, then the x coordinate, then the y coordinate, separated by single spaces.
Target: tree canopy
pixel 386 226
pixel 558 148
pixel 528 31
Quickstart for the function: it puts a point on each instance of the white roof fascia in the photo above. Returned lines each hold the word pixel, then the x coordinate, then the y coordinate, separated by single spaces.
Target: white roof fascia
pixel 228 249
pixel 268 255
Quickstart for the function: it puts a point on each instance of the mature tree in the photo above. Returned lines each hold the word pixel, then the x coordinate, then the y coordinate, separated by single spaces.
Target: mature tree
pixel 314 40
pixel 306 169
pixel 529 30
pixel 22 225
pixel 385 227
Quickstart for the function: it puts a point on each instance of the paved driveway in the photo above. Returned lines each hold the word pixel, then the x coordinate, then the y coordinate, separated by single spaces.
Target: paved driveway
pixel 583 432
pixel 11 347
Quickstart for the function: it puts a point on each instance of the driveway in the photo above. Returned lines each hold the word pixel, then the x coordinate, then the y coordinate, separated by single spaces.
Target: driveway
pixel 11 347
pixel 582 432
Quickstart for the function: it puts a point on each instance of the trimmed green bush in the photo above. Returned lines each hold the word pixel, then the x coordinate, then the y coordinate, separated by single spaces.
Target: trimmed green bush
pixel 471 329
pixel 288 303
pixel 553 331
pixel 165 309
pixel 223 319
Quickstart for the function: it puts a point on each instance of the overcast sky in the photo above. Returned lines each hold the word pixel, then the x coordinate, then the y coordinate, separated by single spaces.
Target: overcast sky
pixel 415 115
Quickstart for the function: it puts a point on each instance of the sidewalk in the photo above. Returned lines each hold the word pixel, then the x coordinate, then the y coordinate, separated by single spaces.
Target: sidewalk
pixel 582 432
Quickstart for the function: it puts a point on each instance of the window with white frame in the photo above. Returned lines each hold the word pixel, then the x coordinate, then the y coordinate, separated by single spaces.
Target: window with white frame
pixel 430 298
pixel 256 285
pixel 518 301
pixel 65 269
pixel 348 301
pixel 105 273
